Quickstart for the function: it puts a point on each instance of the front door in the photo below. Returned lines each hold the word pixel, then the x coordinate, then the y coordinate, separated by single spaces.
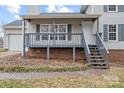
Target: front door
pixel 88 32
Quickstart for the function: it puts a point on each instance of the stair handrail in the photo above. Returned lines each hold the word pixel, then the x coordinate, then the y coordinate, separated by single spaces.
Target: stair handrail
pixel 102 43
pixel 86 48
pixel 102 46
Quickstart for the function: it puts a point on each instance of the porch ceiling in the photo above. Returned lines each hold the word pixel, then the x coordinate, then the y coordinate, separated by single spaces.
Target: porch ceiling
pixel 60 15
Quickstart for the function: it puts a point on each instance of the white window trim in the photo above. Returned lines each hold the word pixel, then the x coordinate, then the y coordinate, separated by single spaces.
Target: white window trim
pixel 116 33
pixel 112 11
pixel 66 39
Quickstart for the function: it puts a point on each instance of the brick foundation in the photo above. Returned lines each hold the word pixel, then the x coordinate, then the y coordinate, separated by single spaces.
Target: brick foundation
pixel 116 55
pixel 67 53
pixel 57 53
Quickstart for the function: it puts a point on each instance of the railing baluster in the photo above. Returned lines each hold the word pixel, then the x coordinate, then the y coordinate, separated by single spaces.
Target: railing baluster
pixel 58 40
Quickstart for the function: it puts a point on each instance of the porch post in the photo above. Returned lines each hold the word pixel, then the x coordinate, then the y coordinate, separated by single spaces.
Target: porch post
pixel 54 31
pixel 82 40
pixel 97 24
pixel 23 38
pixel 48 54
pixel 73 54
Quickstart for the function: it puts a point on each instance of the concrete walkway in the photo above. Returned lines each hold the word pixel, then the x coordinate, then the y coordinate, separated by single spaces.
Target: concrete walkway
pixel 35 75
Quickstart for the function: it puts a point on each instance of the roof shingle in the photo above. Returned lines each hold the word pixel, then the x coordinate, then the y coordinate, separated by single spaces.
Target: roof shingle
pixel 15 23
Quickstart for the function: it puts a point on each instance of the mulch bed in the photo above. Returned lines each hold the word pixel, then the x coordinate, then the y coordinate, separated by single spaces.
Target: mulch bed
pixel 16 60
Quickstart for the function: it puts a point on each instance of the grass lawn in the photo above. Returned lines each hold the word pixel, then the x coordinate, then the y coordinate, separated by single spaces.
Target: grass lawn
pixel 42 69
pixel 113 77
pixel 3 50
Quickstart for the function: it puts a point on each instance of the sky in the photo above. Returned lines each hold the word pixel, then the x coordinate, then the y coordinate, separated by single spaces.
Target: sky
pixel 9 13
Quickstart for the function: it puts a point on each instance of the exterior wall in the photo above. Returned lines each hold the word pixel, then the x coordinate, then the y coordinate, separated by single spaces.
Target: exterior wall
pixel 108 18
pixel 57 53
pixel 112 18
pixel 33 10
pixel 89 9
pixel 76 27
pixel 95 9
pixel 116 55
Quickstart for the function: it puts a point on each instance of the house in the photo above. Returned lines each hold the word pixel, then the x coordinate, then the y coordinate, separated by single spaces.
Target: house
pixel 96 33
pixel 1 42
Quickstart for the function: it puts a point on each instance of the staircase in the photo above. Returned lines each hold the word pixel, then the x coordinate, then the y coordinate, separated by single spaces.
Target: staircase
pixel 96 59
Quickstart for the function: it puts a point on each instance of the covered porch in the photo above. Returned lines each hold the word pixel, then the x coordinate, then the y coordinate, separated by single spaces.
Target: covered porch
pixel 58 31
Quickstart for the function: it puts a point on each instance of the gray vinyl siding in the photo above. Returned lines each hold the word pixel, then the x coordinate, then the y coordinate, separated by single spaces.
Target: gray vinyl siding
pixel 120 8
pixel 105 8
pixel 120 32
pixel 105 32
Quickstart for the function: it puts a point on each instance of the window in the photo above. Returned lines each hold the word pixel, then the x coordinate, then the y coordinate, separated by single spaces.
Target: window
pixel 112 8
pixel 112 33
pixel 62 29
pixel 57 28
pixel 52 37
pixel 44 29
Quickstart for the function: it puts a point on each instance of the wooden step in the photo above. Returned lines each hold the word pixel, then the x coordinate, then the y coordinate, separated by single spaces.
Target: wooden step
pixel 92 46
pixel 93 49
pixel 96 53
pixel 100 67
pixel 98 63
pixel 97 60
pixel 95 56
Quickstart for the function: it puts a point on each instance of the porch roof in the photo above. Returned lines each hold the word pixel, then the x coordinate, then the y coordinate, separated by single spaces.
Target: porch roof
pixel 60 15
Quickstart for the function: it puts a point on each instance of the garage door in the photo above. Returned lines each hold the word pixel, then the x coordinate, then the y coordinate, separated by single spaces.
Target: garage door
pixel 15 42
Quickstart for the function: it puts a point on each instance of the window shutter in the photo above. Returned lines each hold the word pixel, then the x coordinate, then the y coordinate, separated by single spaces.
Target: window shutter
pixel 120 32
pixel 105 8
pixel 105 32
pixel 120 8
pixel 37 31
pixel 69 31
